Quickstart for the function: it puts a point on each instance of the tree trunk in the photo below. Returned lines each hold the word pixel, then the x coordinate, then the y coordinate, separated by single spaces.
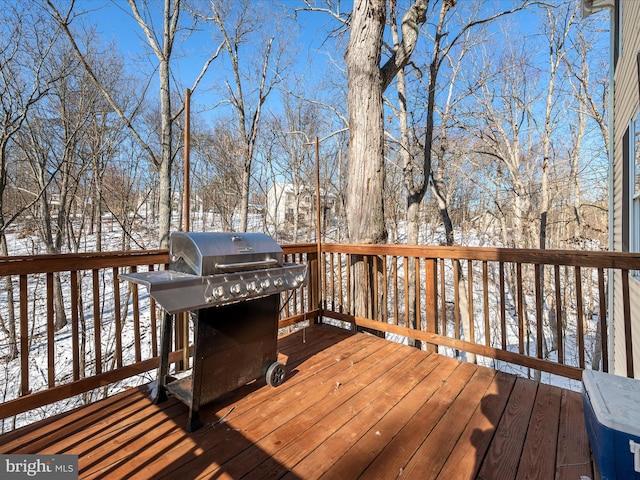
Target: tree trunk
pixel 366 173
pixel 365 200
pixel 244 202
pixel 164 169
pixel 9 324
pixel 414 196
pixel 366 82
pixel 413 229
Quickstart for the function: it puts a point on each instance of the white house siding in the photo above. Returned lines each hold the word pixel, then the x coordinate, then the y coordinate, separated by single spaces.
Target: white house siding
pixel 276 203
pixel 626 107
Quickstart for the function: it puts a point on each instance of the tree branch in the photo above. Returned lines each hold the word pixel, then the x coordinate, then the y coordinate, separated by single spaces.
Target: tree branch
pixel 64 24
pixel 411 22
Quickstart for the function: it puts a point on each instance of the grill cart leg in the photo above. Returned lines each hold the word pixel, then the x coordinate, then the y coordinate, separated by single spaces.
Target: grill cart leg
pixel 163 369
pixel 193 422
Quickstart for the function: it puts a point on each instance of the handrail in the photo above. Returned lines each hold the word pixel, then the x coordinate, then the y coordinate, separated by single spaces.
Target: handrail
pixel 510 310
pixel 31 264
pixel 507 297
pixel 111 329
pixel 585 258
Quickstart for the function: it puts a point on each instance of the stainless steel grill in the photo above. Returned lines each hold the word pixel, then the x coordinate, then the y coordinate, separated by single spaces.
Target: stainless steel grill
pixel 231 284
pixel 211 269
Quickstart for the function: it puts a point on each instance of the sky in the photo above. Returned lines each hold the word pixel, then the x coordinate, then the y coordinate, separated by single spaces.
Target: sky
pixel 115 22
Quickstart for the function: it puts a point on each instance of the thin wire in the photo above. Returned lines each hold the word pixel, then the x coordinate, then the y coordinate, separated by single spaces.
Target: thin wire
pixel 285 303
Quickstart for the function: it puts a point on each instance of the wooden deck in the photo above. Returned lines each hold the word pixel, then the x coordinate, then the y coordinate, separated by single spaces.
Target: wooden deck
pixel 352 406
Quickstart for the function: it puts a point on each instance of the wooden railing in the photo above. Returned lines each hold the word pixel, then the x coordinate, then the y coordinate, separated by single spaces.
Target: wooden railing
pixel 111 326
pixel 48 362
pixel 540 310
pixel 543 310
pixel 301 305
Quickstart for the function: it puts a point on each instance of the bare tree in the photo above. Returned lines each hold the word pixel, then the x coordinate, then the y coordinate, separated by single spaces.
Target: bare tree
pixel 367 81
pixel 558 25
pixel 221 180
pixel 105 137
pixel 162 44
pixel 24 81
pixel 292 134
pixel 240 23
pixel 51 147
pixel 23 63
pixel 429 173
pixel 162 49
pixel 590 89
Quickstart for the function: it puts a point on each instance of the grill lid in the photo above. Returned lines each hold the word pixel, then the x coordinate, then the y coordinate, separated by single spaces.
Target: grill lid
pixel 209 253
pixel 210 269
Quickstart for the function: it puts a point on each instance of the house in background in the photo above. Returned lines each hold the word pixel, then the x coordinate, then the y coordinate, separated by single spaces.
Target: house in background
pixel 291 209
pixel 624 171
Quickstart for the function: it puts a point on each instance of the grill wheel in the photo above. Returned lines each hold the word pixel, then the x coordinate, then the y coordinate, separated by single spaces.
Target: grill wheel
pixel 275 374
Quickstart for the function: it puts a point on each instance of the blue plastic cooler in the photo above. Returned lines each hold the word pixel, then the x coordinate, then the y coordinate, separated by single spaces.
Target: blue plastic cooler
pixel 612 414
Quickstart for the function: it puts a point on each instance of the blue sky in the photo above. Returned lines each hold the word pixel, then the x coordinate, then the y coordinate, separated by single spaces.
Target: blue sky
pixel 114 21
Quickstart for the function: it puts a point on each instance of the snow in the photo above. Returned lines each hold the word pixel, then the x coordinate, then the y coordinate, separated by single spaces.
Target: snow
pixel 63 352
pixel 22 243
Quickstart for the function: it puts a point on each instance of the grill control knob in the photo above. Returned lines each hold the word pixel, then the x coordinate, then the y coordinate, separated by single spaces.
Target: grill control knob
pixel 266 283
pixel 235 289
pixel 251 287
pixel 278 282
pixel 218 292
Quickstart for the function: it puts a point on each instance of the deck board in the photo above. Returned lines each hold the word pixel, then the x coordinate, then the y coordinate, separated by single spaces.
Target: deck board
pixel 393 459
pixel 504 454
pixel 364 451
pixel 542 436
pixel 352 406
pixel 465 460
pixel 374 408
pixel 574 456
pixel 437 447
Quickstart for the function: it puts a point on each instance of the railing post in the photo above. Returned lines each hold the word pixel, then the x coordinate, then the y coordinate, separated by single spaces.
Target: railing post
pixel 24 338
pixel 75 325
pixel 602 323
pixel 431 292
pixel 628 339
pixel 314 284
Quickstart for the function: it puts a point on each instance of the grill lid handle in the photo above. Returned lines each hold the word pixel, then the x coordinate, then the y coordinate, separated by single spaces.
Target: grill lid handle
pixel 271 262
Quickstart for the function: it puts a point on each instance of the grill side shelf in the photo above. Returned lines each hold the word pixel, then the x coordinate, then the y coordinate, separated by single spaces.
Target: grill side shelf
pixel 175 292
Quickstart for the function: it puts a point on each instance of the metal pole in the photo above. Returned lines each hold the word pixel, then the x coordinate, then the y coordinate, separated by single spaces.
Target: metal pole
pixel 318 227
pixel 186 209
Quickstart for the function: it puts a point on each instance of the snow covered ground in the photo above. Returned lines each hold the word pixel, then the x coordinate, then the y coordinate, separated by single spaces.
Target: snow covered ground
pixel 21 244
